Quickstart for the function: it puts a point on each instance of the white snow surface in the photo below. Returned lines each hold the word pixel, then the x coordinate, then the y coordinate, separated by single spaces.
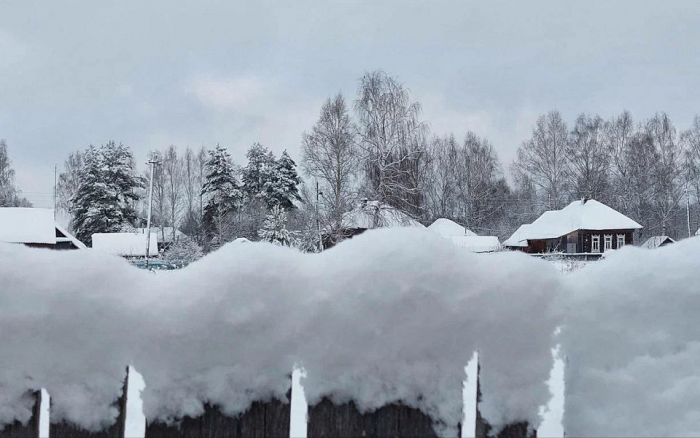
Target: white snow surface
pixel 592 215
pixel 125 244
pixel 632 344
pixel 27 225
pixel 477 243
pixel 390 315
pixel 447 228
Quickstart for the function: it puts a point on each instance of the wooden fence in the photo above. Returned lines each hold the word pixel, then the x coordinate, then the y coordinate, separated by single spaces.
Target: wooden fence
pixel 272 419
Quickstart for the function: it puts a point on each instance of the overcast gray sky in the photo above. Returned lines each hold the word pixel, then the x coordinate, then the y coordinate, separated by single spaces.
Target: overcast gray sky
pixel 154 73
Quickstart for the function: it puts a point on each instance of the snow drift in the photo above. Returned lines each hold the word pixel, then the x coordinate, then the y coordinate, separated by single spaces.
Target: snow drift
pixel 633 344
pixel 391 315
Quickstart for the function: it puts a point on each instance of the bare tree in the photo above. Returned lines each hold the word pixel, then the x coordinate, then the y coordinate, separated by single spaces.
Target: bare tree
pixel 173 180
pixel 441 192
pixel 690 140
pixel 481 187
pixel 69 181
pixel 588 159
pixel 329 155
pixel 543 159
pixel 9 194
pixel 7 177
pixel 619 133
pixel 668 172
pixel 392 140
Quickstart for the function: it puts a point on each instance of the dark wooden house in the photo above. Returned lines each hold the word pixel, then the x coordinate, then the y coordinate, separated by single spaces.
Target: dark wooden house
pixel 582 227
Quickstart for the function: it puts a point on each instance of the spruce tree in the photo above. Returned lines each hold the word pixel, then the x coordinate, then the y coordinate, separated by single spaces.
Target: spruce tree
pixel 221 191
pixel 119 173
pixel 106 195
pixel 282 188
pixel 258 172
pixel 95 207
pixel 274 229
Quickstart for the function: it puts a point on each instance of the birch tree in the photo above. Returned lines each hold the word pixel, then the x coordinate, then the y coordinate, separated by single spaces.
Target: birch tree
pixel 330 156
pixel 543 160
pixel 391 137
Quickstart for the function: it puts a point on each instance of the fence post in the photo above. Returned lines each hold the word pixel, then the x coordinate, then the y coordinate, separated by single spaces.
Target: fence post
pixel 31 429
pixel 117 430
pixel 395 420
pixel 261 420
pixel 515 430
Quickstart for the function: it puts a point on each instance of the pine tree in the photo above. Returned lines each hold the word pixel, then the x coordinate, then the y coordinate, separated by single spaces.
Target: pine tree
pixel 281 189
pixel 275 228
pixel 258 172
pixel 222 193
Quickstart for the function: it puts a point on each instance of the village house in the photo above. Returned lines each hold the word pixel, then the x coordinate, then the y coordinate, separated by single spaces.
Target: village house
pixel 36 228
pixel 582 227
pixel 464 237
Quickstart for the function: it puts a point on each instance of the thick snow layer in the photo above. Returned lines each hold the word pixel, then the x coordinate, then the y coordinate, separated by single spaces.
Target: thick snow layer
pixel 591 215
pixel 125 244
pixel 477 243
pixel 447 228
pixel 632 344
pixel 27 225
pixel 391 315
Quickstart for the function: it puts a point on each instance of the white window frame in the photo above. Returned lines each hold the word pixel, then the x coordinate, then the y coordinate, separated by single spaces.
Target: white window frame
pixel 620 241
pixel 595 243
pixel 607 245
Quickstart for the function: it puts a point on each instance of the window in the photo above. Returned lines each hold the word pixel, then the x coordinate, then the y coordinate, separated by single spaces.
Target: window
pixel 595 243
pixel 608 242
pixel 620 241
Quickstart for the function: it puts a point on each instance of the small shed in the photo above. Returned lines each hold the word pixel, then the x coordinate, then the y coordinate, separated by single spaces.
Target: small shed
pixel 657 242
pixel 127 245
pixel 35 227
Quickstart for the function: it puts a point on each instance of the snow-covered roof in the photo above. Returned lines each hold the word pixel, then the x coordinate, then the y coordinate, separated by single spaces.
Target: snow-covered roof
pixel 373 214
pixel 448 228
pixel 656 241
pixel 477 243
pixel 27 225
pixel 579 215
pixel 69 237
pixel 124 244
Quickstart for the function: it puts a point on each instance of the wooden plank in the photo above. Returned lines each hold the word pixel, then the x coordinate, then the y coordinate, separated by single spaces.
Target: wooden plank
pixel 117 430
pixel 261 420
pixel 483 429
pixel 395 420
pixel 31 429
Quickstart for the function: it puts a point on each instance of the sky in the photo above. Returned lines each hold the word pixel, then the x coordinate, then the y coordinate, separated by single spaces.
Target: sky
pixel 154 73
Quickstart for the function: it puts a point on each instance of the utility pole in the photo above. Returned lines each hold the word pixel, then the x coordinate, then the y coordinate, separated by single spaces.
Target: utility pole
pixel 153 162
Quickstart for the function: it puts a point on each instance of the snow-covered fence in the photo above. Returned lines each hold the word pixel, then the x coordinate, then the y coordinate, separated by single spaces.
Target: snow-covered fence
pixel 385 322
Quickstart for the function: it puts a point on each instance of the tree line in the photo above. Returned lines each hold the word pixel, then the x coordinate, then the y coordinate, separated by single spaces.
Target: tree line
pixel 10 194
pixel 378 147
